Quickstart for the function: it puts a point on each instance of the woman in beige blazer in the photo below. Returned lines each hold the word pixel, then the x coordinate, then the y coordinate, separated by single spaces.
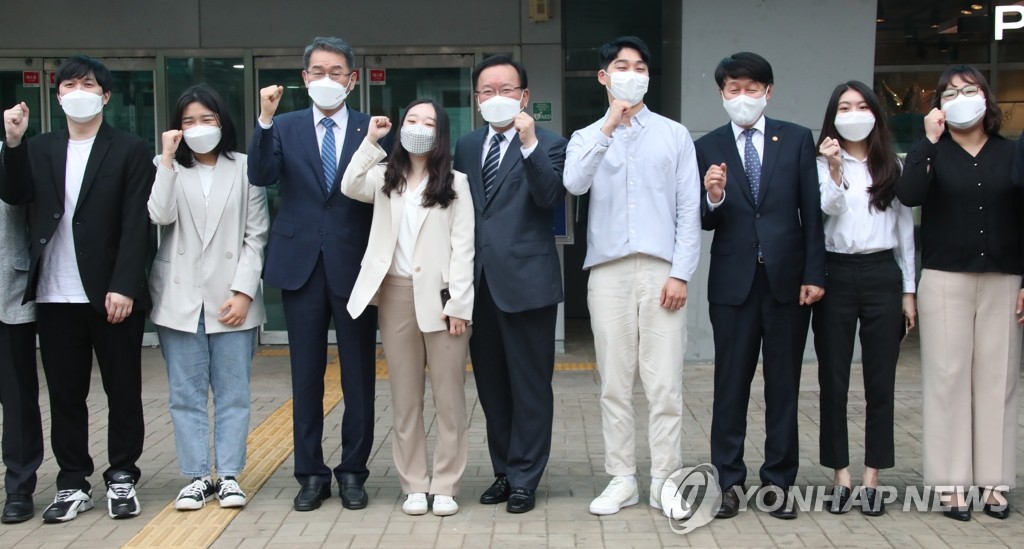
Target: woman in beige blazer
pixel 205 285
pixel 418 269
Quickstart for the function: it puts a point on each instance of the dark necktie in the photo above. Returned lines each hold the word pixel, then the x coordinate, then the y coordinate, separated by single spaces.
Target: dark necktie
pixel 752 163
pixel 490 170
pixel 328 155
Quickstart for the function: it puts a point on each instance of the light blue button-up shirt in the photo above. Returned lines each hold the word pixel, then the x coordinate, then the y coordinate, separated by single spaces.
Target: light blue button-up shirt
pixel 644 191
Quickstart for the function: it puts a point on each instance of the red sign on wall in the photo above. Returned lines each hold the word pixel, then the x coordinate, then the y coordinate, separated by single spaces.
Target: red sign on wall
pixel 30 79
pixel 378 77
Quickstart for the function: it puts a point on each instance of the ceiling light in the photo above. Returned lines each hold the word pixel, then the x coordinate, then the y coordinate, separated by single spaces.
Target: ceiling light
pixel 238 66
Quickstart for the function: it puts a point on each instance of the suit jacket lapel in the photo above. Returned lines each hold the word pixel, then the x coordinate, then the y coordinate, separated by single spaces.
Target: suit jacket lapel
pixel 59 155
pixel 225 179
pixel 772 144
pixel 305 135
pixel 474 167
pixel 512 157
pixel 100 148
pixel 733 162
pixel 353 138
pixel 192 186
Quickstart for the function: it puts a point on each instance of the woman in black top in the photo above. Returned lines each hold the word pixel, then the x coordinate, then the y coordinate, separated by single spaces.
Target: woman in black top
pixel 970 297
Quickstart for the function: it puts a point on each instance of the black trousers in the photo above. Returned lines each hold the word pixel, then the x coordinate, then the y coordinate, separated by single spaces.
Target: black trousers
pixel 19 396
pixel 513 362
pixel 69 333
pixel 867 288
pixel 761 324
pixel 308 312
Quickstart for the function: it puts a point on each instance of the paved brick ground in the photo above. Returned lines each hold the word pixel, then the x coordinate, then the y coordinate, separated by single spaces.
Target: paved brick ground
pixel 575 475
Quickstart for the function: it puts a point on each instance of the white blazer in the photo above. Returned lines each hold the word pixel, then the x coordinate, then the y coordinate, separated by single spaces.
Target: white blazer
pixel 443 254
pixel 207 252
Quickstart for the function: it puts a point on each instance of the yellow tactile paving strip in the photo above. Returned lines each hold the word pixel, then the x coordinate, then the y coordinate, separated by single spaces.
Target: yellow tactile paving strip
pixel 269 444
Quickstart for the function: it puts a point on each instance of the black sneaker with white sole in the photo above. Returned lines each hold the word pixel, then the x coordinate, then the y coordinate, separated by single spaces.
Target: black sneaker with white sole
pixel 121 499
pixel 195 495
pixel 230 493
pixel 67 504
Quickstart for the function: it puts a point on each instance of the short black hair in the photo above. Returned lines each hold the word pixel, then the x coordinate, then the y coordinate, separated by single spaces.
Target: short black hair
pixel 209 98
pixel 500 59
pixel 79 66
pixel 610 51
pixel 744 64
pixel 333 45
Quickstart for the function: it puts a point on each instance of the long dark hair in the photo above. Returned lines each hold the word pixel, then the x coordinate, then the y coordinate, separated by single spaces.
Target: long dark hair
pixel 209 98
pixel 993 114
pixel 883 165
pixel 440 189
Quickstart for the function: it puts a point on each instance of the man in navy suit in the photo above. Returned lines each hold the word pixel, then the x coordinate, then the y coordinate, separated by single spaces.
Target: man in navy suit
pixel 767 268
pixel 316 243
pixel 515 176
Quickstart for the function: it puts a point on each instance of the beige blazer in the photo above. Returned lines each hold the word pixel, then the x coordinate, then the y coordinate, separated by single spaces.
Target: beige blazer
pixel 207 252
pixel 443 254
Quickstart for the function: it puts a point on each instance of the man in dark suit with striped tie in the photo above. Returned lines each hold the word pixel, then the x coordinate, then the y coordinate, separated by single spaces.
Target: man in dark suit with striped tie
pixel 515 175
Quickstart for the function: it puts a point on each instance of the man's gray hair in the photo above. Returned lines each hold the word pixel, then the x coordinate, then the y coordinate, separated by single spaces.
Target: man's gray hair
pixel 331 44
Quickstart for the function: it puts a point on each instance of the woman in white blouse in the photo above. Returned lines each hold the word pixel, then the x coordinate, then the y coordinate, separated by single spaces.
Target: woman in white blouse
pixel 870 277
pixel 205 284
pixel 418 269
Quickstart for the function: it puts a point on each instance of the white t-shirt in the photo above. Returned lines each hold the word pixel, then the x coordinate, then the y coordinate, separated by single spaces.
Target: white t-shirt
pixel 206 178
pixel 59 280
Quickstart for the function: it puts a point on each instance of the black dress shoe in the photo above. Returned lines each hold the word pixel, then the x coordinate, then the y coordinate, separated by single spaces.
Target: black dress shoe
pixel 730 504
pixel 311 495
pixel 19 508
pixel 840 500
pixel 497 493
pixel 521 500
pixel 353 494
pixel 958 513
pixel 871 503
pixel 786 510
pixel 1000 512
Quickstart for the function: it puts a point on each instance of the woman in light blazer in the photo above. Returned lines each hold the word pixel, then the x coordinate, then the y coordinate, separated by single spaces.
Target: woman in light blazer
pixel 205 284
pixel 418 269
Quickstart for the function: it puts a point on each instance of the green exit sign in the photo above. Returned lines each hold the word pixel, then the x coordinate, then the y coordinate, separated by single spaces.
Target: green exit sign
pixel 542 112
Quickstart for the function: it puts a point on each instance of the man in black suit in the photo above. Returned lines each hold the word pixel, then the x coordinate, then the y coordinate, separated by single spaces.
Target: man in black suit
pixel 87 188
pixel 316 244
pixel 515 176
pixel 767 268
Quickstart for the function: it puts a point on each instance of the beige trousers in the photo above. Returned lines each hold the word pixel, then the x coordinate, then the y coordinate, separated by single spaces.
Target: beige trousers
pixel 633 333
pixel 409 351
pixel 970 361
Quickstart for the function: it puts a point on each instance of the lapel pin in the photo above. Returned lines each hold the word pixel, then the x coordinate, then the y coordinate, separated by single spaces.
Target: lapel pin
pixel 775 138
pixel 359 129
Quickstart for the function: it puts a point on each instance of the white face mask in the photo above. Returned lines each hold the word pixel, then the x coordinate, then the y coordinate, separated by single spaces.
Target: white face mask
pixel 418 139
pixel 964 112
pixel 326 93
pixel 854 126
pixel 628 86
pixel 202 139
pixel 81 106
pixel 745 110
pixel 500 110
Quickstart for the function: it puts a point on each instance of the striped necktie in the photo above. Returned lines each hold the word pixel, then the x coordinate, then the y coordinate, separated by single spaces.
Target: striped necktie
pixel 490 170
pixel 328 155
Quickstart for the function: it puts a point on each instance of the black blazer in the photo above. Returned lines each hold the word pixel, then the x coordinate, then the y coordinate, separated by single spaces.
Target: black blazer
pixel 310 221
pixel 786 223
pixel 110 223
pixel 515 242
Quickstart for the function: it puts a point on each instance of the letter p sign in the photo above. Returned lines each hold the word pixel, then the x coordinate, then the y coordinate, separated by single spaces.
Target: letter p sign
pixel 1001 22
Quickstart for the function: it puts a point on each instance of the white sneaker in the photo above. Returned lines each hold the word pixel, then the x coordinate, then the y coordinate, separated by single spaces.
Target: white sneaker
pixel 445 506
pixel 66 506
pixel 194 496
pixel 415 504
pixel 230 493
pixel 621 492
pixel 656 485
pixel 674 507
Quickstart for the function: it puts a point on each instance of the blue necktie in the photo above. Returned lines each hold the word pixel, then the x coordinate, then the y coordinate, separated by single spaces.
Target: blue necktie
pixel 752 163
pixel 490 170
pixel 327 155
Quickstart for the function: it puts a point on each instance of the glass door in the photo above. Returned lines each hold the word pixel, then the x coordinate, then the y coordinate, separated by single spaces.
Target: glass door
pixel 21 80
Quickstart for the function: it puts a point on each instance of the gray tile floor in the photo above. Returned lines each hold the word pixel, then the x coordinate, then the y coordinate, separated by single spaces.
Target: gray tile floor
pixel 575 475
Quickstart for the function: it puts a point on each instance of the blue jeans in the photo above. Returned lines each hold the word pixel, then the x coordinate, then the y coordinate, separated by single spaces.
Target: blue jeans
pixel 195 364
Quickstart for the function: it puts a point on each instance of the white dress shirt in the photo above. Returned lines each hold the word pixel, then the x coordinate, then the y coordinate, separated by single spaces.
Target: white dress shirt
pixel 503 146
pixel 402 263
pixel 644 191
pixel 340 127
pixel 852 227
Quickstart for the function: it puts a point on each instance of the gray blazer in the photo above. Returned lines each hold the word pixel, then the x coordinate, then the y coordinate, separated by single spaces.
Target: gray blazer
pixel 14 263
